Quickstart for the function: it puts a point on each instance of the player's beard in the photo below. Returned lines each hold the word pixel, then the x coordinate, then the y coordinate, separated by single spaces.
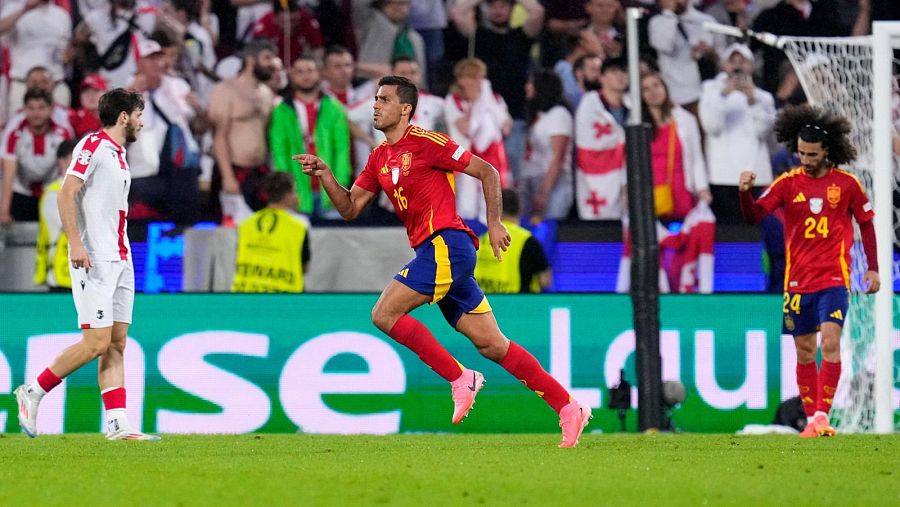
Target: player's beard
pixel 131 132
pixel 261 73
pixel 308 89
pixel 591 85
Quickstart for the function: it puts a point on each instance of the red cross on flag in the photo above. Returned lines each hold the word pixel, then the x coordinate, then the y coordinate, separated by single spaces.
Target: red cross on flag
pixel 600 161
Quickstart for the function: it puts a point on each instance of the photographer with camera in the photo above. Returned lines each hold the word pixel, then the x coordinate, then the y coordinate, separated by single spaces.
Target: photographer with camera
pixel 737 118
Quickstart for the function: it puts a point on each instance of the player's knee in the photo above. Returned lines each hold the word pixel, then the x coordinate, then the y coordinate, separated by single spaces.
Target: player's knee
pixel 806 354
pixel 494 349
pixel 117 345
pixel 830 347
pixel 97 347
pixel 383 320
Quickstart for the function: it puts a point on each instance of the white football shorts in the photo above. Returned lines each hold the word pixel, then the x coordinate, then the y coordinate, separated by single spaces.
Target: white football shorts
pixel 103 294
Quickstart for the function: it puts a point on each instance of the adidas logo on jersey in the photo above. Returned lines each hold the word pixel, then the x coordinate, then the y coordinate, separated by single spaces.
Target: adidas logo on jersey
pixel 837 314
pixel 800 197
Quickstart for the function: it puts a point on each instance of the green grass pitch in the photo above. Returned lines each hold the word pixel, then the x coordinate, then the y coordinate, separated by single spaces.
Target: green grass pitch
pixel 433 470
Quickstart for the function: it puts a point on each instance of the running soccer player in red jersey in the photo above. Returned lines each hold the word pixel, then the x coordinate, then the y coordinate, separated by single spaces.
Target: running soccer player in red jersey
pixel 415 168
pixel 818 201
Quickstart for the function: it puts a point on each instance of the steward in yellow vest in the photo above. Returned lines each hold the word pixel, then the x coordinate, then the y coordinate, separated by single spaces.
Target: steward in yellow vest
pixel 524 268
pixel 51 263
pixel 273 248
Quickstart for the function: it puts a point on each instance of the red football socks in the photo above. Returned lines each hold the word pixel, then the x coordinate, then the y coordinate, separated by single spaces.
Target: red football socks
pixel 525 367
pixel 48 380
pixel 114 398
pixel 829 375
pixel 412 334
pixel 807 379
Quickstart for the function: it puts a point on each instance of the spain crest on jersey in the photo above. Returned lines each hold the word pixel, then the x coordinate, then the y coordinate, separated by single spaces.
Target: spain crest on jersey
pixel 405 162
pixel 833 194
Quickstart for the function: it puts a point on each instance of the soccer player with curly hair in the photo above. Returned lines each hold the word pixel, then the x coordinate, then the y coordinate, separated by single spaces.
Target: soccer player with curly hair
pixel 819 200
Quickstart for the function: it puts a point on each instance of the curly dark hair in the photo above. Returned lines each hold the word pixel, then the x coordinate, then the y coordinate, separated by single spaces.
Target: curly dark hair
pixel 816 125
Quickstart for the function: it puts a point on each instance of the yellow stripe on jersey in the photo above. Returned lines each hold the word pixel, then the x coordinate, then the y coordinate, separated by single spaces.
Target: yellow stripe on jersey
pixel 431 221
pixel 789 174
pixel 452 180
pixel 442 275
pixel 436 138
pixel 420 130
pixel 858 183
pixel 787 264
pixel 845 270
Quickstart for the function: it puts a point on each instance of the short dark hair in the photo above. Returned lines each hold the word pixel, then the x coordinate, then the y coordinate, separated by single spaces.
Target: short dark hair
pixel 510 202
pixel 406 90
pixel 335 49
pixel 117 101
pixel 65 148
pixel 402 59
pixel 38 94
pixel 619 63
pixel 37 68
pixel 581 61
pixel 165 38
pixel 257 46
pixel 277 185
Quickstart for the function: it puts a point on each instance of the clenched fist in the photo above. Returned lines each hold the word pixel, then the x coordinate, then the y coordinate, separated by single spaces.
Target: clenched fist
pixel 746 182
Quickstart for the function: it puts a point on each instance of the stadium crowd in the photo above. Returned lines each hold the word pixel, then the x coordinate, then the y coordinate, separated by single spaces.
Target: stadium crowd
pixel 538 88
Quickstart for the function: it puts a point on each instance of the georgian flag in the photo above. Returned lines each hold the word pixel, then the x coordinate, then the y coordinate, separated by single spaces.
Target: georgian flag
pixel 600 161
pixel 692 264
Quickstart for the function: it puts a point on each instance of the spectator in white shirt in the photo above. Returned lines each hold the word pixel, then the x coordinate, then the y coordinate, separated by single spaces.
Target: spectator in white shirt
pixel 37 34
pixel 29 157
pixel 545 183
pixel 115 34
pixel 167 100
pixel 737 117
pixel 677 34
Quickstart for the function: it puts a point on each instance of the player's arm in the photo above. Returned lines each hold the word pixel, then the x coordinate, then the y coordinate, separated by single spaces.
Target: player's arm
pixel 490 183
pixel 861 209
pixel 349 203
pixel 66 202
pixel 871 280
pixel 752 210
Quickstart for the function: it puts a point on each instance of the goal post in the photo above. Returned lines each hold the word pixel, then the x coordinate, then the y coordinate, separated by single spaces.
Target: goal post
pixel 885 37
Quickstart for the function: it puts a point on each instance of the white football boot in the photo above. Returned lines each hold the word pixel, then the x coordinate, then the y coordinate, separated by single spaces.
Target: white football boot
pixel 28 409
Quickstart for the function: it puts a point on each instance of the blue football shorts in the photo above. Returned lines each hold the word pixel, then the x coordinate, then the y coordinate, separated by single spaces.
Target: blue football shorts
pixel 804 313
pixel 444 268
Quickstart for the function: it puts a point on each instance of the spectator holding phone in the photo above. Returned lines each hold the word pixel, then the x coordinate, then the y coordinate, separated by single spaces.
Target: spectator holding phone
pixel 737 117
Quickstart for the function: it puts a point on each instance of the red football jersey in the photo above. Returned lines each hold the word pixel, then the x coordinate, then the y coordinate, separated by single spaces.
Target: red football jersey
pixel 416 173
pixel 818 231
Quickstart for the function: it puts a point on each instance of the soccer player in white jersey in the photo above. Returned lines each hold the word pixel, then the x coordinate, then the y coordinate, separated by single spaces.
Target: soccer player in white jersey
pixel 93 202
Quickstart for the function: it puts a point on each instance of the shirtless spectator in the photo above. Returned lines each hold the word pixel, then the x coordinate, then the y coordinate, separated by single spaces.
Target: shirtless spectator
pixel 239 109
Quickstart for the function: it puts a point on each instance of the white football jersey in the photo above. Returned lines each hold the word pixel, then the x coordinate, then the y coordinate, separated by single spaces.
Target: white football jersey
pixel 430 113
pixel 102 204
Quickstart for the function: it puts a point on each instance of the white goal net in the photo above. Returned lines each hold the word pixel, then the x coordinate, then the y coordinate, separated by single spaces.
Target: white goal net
pixel 838 74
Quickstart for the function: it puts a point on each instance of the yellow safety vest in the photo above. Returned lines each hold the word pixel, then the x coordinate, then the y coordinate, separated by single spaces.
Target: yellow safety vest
pixel 504 277
pixel 42 261
pixel 269 253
